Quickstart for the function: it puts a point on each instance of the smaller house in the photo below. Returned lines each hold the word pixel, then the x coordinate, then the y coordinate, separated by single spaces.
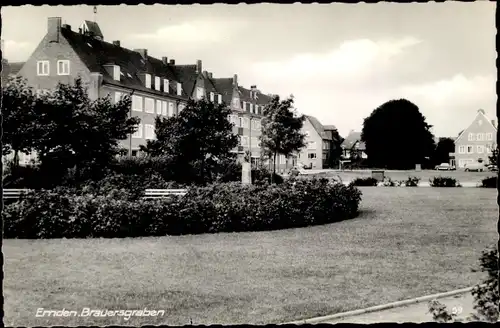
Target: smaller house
pixel 353 148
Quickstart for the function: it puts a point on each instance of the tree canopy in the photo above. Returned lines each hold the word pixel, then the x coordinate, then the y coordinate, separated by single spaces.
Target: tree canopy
pixel 444 147
pixel 397 136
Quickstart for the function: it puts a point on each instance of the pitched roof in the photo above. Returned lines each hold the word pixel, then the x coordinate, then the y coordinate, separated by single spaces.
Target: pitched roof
pixel 320 129
pixel 329 127
pixel 187 75
pixel 225 87
pixel 93 28
pixel 352 139
pixel 96 53
pixel 483 114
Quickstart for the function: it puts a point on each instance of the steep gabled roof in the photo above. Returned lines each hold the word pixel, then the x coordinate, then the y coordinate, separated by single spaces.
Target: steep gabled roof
pixel 353 139
pixel 320 129
pixel 92 28
pixel 480 112
pixel 187 75
pixel 96 53
pixel 224 86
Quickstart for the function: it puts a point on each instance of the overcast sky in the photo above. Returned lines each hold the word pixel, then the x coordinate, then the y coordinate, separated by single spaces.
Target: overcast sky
pixel 340 61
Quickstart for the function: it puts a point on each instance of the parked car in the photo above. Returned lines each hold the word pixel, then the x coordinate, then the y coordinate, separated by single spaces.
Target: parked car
pixel 444 167
pixel 303 166
pixel 479 167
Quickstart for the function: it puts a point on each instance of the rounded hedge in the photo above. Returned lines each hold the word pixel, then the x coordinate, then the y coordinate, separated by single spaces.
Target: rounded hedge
pixel 221 207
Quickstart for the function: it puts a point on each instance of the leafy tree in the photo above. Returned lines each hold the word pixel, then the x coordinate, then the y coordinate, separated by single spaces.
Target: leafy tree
pixel 19 103
pixel 281 128
pixel 199 139
pixel 494 156
pixel 81 134
pixel 441 154
pixel 397 136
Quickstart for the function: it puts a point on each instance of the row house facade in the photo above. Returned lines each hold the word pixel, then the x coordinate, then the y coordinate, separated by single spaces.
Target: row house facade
pixel 476 143
pixel 108 70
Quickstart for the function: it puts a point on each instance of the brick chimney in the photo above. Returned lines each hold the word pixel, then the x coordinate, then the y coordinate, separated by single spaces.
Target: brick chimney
pixel 116 43
pixel 210 75
pixel 54 29
pixel 172 61
pixel 198 66
pixel 164 60
pixel 235 80
pixel 143 53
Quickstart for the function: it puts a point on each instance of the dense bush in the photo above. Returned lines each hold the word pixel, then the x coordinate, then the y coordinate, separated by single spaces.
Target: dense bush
pixel 490 182
pixel 260 175
pixel 364 182
pixel 444 182
pixel 411 182
pixel 388 182
pixel 212 208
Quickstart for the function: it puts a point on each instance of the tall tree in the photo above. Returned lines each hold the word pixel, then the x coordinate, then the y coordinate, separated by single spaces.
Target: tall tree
pixel 19 103
pixel 281 129
pixel 494 156
pixel 441 154
pixel 80 133
pixel 199 138
pixel 397 136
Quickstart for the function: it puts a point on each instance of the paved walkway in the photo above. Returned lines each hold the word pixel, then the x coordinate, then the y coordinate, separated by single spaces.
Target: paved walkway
pixel 415 313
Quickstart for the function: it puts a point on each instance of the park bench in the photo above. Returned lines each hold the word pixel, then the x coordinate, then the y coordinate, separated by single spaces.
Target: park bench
pixel 14 193
pixel 163 193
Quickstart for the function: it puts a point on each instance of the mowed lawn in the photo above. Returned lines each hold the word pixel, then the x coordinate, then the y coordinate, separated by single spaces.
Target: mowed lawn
pixel 424 175
pixel 407 242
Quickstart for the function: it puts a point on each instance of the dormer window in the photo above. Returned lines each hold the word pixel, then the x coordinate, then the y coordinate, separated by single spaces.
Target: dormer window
pixel 147 80
pixel 251 108
pixel 165 85
pixel 179 89
pixel 212 97
pixel 157 82
pixel 244 107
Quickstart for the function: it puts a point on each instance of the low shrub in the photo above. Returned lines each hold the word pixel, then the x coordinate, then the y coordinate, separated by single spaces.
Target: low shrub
pixel 364 182
pixel 260 175
pixel 204 209
pixel 490 182
pixel 411 182
pixel 444 182
pixel 388 182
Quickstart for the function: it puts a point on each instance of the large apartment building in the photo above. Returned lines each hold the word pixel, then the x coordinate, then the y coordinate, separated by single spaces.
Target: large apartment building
pixel 476 142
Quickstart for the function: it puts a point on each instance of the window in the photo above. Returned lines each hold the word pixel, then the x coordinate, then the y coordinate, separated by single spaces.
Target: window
pixel 244 106
pixel 164 108
pixel 137 103
pixel 212 97
pixel 199 93
pixel 220 99
pixel 257 124
pixel 244 140
pixel 480 137
pixel 171 109
pixel 157 83
pixel 236 103
pixel 158 107
pixel 489 136
pixel 118 96
pixel 480 149
pixel 138 133
pixel 179 89
pixel 240 122
pixel 149 105
pixel 147 81
pixel 257 109
pixel 461 149
pixel 63 67
pixel 42 67
pixel 311 155
pixel 489 148
pixel 470 149
pixel 472 136
pixel 180 108
pixel 251 108
pixel 149 131
pixel 311 145
pixel 165 85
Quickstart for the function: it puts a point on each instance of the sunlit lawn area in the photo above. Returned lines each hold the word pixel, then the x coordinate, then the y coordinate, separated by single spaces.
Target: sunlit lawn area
pixel 407 242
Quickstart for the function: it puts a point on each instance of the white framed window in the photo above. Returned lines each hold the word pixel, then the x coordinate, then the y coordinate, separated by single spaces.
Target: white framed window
pixel 137 103
pixel 244 106
pixel 180 108
pixel 171 109
pixel 489 136
pixel 158 107
pixel 220 99
pixel 165 85
pixel 257 109
pixel 212 97
pixel 244 140
pixel 259 126
pixel 138 134
pixel 63 67
pixel 480 149
pixel 461 149
pixel 118 96
pixel 149 105
pixel 147 81
pixel 311 145
pixel 480 137
pixel 42 68
pixel 157 83
pixel 470 149
pixel 199 93
pixel 311 155
pixel 164 108
pixel 179 89
pixel 149 131
pixel 233 119
pixel 251 108
pixel 240 122
pixel 472 136
pixel 236 103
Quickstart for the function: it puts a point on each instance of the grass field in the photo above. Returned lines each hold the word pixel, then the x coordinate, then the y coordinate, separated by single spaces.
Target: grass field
pixel 406 242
